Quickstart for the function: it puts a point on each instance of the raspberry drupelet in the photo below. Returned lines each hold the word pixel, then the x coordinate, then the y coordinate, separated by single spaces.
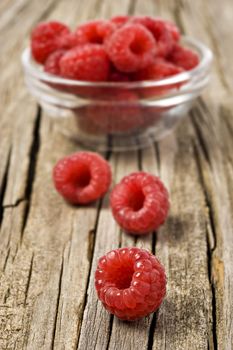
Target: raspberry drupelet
pixel 130 282
pixel 82 178
pixel 139 203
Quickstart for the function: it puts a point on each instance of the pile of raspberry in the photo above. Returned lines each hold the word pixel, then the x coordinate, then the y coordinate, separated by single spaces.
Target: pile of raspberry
pixel 124 48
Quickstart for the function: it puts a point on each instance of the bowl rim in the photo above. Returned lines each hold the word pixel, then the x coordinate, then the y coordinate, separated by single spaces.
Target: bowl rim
pixel 205 54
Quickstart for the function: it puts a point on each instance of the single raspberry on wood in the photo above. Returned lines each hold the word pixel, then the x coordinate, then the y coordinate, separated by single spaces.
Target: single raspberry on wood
pixel 131 47
pixel 94 32
pixel 183 57
pixel 45 39
pixel 130 282
pixel 139 203
pixel 89 62
pixel 82 177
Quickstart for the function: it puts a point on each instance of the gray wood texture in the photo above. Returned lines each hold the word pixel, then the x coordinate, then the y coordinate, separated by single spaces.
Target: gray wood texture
pixel 49 250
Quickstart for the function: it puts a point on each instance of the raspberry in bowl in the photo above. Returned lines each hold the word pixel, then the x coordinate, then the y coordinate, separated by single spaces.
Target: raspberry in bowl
pixel 129 79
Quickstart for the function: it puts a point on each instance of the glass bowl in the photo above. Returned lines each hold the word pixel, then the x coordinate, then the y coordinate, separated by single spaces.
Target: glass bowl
pixel 120 115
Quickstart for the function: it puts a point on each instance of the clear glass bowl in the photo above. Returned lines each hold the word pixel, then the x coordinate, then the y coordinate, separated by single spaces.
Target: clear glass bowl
pixel 120 115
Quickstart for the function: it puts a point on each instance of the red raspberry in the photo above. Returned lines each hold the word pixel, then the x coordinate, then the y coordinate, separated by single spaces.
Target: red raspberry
pixel 173 29
pixel 45 39
pixel 94 32
pixel 160 31
pixel 159 69
pixel 140 203
pixel 183 57
pixel 119 21
pixel 68 41
pixel 82 177
pixel 52 63
pixel 130 282
pixel 88 62
pixel 131 47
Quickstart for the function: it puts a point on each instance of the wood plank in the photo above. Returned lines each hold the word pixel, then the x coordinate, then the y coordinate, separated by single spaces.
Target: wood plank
pixel 214 132
pixel 49 250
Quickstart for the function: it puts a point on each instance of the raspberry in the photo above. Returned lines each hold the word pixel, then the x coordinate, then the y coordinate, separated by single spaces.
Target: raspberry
pixel 82 177
pixel 130 282
pixel 119 21
pixel 94 32
pixel 183 57
pixel 68 41
pixel 88 62
pixel 45 39
pixel 139 203
pixel 52 63
pixel 159 69
pixel 173 29
pixel 160 31
pixel 131 47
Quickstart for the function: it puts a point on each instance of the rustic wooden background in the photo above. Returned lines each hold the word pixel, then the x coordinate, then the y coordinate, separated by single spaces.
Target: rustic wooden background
pixel 48 250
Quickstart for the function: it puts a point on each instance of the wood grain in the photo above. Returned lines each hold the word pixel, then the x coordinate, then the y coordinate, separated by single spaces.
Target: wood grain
pixel 49 250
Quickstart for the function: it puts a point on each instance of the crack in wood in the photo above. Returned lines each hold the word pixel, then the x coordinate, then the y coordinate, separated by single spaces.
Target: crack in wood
pixel 33 154
pixel 29 279
pixel 132 6
pixel 3 186
pixel 212 341
pixel 110 331
pixel 6 259
pixel 157 155
pixel 58 301
pixel 16 204
pixel 200 136
pixel 140 160
pixel 6 296
pixel 152 331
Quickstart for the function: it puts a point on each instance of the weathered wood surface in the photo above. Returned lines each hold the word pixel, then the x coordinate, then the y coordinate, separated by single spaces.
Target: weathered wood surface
pixel 49 250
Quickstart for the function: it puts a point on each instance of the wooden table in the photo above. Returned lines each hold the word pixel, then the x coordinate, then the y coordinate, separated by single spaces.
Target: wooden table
pixel 49 250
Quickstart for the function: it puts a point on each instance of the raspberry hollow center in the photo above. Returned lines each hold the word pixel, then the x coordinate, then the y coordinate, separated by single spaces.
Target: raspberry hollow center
pixel 96 39
pixel 83 177
pixel 122 276
pixel 137 47
pixel 136 199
